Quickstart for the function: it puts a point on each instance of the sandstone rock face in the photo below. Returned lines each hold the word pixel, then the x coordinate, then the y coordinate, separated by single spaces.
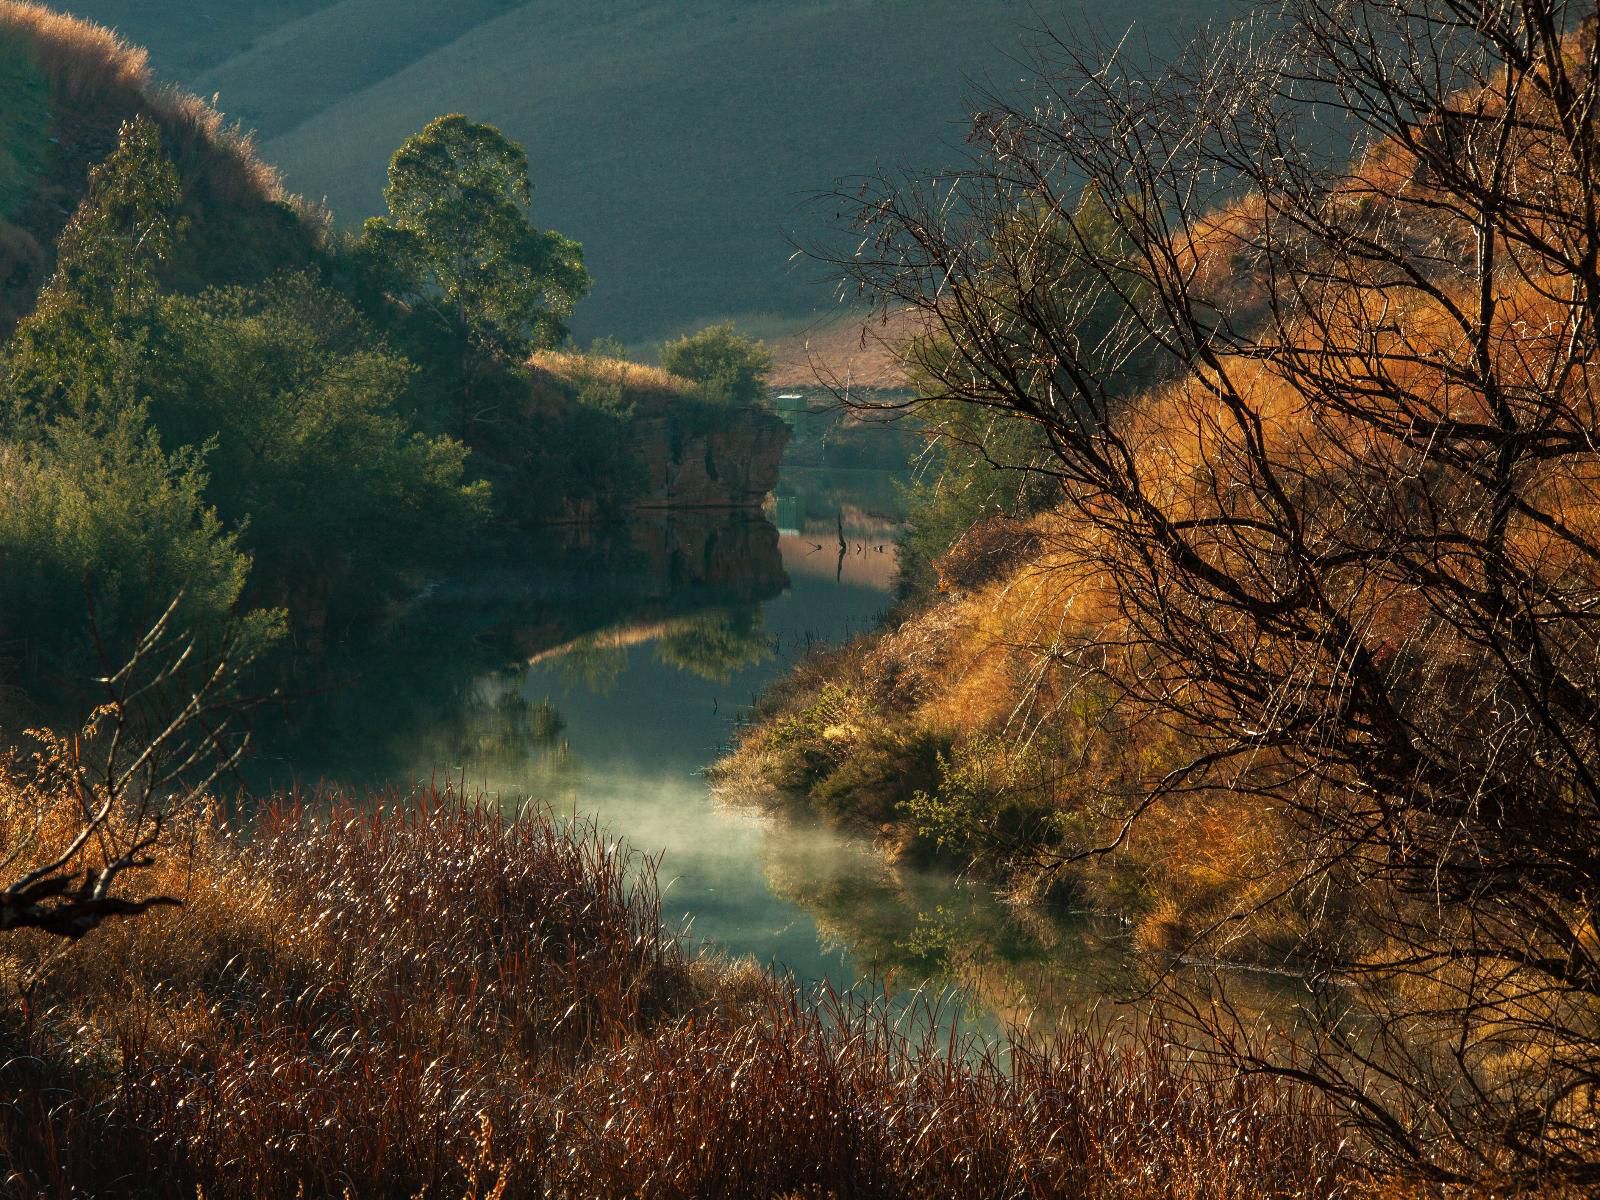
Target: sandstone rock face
pixel 732 467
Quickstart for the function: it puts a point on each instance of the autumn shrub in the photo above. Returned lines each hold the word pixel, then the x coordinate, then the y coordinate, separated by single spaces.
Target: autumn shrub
pixel 1322 637
pixel 988 550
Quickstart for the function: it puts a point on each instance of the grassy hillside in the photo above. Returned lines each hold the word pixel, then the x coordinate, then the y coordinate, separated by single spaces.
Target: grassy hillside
pixel 66 87
pixel 679 142
pixel 25 133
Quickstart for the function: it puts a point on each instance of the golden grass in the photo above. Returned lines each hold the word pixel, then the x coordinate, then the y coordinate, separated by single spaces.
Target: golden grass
pixel 1043 653
pixel 89 66
pixel 632 376
pixel 846 355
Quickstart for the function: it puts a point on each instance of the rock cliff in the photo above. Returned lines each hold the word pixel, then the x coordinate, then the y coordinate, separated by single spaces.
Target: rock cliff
pixel 732 466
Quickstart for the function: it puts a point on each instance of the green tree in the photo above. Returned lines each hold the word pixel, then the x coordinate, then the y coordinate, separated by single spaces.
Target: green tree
pixel 996 462
pixel 310 456
pixel 93 317
pixel 92 506
pixel 458 240
pixel 730 368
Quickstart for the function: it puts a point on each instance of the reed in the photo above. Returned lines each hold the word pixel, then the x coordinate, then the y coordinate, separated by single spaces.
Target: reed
pixel 424 995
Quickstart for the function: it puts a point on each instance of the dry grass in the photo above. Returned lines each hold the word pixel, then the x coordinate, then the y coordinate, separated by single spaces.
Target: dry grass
pixel 846 355
pixel 241 221
pixel 633 377
pixel 1030 643
pixel 88 65
pixel 433 998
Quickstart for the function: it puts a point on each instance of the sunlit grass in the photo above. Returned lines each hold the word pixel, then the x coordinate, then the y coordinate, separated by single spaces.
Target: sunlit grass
pixel 424 995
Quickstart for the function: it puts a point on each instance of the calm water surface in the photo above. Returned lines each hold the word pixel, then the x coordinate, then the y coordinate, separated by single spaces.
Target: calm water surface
pixel 606 678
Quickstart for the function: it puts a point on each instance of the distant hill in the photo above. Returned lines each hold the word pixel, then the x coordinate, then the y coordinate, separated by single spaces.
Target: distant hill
pixel 679 140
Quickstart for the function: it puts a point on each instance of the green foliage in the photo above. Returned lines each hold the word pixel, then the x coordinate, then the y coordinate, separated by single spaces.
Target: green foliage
pixel 572 460
pixel 458 241
pixel 729 368
pixel 309 453
pixel 981 466
pixel 719 644
pixel 180 438
pixel 990 463
pixel 992 800
pixel 883 769
pixel 97 512
pixel 599 385
pixel 110 253
pixel 93 317
pixel 24 125
pixel 808 741
pixel 94 509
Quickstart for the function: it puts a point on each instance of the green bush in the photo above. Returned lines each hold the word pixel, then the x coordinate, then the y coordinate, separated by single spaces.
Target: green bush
pixel 882 771
pixel 991 800
pixel 310 455
pixel 729 369
pixel 99 515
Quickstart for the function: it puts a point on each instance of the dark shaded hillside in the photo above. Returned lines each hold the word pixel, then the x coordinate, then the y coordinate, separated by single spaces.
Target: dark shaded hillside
pixel 678 141
pixel 66 88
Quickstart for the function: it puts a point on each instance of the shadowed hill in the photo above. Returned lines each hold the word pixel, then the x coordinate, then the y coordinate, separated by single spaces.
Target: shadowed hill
pixel 67 86
pixel 678 141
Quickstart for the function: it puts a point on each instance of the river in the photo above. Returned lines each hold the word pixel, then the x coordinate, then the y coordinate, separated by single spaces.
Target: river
pixel 604 674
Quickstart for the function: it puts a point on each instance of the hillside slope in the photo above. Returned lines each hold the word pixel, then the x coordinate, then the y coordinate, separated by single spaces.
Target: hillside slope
pixel 66 87
pixel 680 142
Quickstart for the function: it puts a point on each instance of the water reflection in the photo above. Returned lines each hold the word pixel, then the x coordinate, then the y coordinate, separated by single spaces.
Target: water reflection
pixel 839 524
pixel 603 671
pixel 411 696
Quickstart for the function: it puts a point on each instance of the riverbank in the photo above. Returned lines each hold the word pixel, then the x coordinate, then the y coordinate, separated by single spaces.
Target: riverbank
pixel 423 995
pixel 962 733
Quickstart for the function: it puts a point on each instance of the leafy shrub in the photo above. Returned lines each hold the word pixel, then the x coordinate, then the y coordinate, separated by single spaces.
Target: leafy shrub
pixel 728 368
pixel 99 514
pixel 300 406
pixel 992 801
pixel 881 771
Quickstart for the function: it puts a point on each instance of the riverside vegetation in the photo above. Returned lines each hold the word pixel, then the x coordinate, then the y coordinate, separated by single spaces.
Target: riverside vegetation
pixel 1248 594
pixel 1250 598
pixel 204 392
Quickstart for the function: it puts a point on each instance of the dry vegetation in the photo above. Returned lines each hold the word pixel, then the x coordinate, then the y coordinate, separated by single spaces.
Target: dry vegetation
pixel 557 375
pixel 1302 671
pixel 844 355
pixel 425 996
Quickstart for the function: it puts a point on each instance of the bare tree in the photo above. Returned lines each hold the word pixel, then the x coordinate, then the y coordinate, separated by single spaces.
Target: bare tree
pixel 88 811
pixel 1351 545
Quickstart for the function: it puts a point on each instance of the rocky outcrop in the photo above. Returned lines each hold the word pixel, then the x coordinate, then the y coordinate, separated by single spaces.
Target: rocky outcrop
pixel 734 465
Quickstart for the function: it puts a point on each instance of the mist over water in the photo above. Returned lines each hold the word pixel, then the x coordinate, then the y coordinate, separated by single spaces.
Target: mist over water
pixel 603 681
